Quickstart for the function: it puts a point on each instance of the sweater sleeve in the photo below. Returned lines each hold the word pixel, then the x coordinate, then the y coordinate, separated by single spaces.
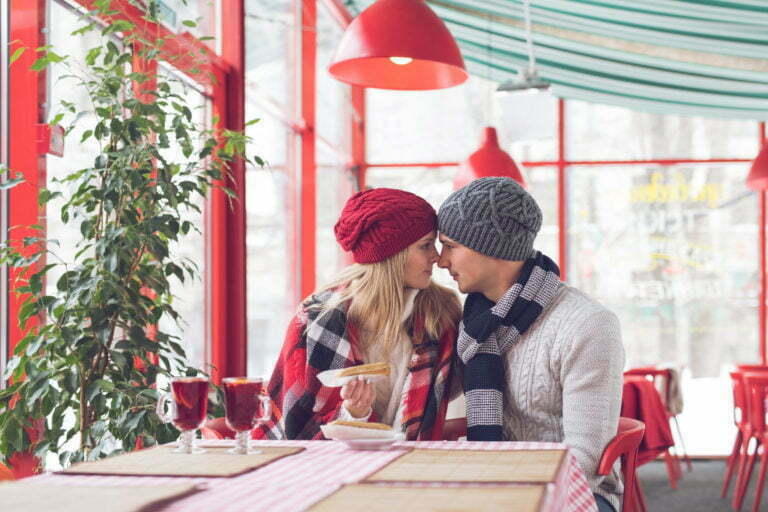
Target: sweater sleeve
pixel 591 377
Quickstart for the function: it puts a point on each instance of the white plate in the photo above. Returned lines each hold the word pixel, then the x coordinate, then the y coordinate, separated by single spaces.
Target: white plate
pixel 331 378
pixel 345 433
pixel 370 444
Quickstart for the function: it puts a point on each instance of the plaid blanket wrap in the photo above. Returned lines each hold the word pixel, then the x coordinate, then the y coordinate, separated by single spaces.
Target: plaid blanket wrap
pixel 488 330
pixel 315 343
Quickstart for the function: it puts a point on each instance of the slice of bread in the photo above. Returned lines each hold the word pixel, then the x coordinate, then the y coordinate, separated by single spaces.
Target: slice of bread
pixel 366 369
pixel 361 424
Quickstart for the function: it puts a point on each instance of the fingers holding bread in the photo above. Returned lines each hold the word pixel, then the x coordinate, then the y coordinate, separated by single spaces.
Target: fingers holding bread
pixel 358 395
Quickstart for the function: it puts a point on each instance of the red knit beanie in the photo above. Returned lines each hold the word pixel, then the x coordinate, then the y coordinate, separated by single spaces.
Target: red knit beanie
pixel 378 223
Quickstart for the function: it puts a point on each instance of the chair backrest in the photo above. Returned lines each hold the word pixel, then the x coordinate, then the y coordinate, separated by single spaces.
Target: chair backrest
pixel 660 378
pixel 624 445
pixel 216 428
pixel 454 429
pixel 6 473
pixel 751 367
pixel 740 406
pixel 756 386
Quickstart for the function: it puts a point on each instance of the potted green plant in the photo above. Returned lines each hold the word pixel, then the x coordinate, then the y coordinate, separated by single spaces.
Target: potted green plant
pixel 88 365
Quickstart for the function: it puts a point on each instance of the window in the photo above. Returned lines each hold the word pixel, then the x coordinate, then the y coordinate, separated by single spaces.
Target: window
pixel 269 66
pixel 601 132
pixel 671 249
pixel 77 155
pixel 429 126
pixel 335 183
pixel 190 297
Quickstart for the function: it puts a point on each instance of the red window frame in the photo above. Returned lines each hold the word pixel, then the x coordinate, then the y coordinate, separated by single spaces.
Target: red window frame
pixel 221 76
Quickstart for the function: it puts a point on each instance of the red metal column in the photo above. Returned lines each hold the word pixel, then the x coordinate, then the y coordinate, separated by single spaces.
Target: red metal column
pixel 27 109
pixel 304 173
pixel 763 284
pixel 562 235
pixel 227 219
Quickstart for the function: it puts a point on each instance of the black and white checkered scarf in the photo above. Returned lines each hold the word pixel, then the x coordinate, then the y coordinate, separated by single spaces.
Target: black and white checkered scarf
pixel 488 330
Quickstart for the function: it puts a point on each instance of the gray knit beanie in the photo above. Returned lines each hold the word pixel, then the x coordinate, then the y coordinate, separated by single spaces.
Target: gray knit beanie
pixel 493 216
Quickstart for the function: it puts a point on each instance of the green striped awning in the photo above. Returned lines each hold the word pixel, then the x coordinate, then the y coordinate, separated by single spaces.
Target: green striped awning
pixel 705 57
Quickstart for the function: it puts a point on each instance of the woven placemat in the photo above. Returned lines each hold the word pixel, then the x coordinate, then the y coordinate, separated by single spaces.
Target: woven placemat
pixel 162 461
pixel 385 498
pixel 425 465
pixel 23 496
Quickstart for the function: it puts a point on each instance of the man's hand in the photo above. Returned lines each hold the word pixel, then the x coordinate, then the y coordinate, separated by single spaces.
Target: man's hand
pixel 358 396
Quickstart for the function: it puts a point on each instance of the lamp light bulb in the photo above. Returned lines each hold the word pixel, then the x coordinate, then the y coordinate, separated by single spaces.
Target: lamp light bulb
pixel 401 61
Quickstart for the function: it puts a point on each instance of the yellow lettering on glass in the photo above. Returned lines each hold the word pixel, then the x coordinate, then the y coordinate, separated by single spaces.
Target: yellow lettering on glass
pixel 676 190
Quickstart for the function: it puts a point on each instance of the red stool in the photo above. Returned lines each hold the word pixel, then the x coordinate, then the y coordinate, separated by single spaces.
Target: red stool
pixel 216 428
pixel 625 445
pixel 454 429
pixel 751 367
pixel 6 473
pixel 25 464
pixel 742 427
pixel 741 420
pixel 755 387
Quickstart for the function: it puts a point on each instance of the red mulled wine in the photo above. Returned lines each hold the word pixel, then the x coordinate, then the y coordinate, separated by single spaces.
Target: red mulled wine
pixel 191 398
pixel 241 399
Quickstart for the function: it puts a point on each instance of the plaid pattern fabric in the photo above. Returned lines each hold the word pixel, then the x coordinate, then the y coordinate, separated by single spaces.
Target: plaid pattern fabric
pixel 488 330
pixel 317 342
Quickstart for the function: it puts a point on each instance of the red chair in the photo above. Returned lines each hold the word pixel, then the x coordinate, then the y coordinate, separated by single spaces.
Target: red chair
pixel 756 389
pixel 741 420
pixel 25 464
pixel 454 429
pixel 625 445
pixel 6 473
pixel 216 428
pixel 658 436
pixel 661 379
pixel 751 367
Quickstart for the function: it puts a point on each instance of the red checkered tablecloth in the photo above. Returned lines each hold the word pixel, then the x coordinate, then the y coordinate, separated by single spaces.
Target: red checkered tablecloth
pixel 298 481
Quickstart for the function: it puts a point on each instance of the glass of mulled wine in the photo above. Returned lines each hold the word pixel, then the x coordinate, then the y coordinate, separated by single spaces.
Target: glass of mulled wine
pixel 188 402
pixel 242 399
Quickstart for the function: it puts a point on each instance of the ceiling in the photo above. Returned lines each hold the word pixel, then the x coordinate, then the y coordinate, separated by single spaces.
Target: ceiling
pixel 706 57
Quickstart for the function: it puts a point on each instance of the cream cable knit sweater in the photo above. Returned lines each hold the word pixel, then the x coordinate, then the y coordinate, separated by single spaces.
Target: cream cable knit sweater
pixel 564 383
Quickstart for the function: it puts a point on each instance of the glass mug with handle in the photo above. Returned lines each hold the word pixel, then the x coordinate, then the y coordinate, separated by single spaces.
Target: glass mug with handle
pixel 188 408
pixel 242 398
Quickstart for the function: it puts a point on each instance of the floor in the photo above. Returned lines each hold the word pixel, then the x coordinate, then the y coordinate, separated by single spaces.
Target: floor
pixel 698 491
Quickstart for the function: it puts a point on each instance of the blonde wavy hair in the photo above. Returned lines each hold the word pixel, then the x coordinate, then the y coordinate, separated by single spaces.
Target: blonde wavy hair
pixel 376 296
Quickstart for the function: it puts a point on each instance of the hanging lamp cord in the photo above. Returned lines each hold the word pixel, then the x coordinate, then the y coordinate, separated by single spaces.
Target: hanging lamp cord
pixel 531 73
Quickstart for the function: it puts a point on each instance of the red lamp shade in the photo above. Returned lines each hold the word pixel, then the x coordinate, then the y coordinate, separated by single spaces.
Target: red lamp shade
pixel 758 174
pixel 489 160
pixel 398 44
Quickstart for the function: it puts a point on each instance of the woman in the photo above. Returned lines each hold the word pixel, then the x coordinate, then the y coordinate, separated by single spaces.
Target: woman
pixel 384 308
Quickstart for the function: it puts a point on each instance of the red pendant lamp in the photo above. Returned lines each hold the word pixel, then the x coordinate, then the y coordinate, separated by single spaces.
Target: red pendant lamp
pixel 489 160
pixel 758 173
pixel 398 44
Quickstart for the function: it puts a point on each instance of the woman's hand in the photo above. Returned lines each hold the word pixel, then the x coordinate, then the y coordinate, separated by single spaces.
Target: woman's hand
pixel 358 397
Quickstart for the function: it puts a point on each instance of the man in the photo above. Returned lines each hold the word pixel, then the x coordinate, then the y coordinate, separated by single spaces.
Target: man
pixel 542 361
